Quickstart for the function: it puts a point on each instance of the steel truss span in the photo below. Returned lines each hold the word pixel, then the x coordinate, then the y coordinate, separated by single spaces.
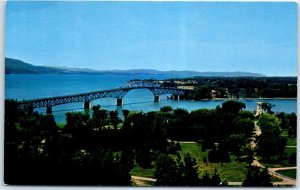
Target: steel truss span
pixel 118 93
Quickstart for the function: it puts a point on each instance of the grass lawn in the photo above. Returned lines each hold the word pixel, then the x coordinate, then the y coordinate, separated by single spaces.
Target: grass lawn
pixel 289 173
pixel 284 133
pixel 275 179
pixel 60 125
pixel 120 125
pixel 291 142
pixel 139 171
pixel 290 150
pixel 232 171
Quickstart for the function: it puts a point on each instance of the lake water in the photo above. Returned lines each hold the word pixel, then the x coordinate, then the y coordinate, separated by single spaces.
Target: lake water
pixel 31 86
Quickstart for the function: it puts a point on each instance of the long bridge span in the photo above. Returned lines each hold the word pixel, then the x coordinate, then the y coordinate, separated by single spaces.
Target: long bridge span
pixel 154 86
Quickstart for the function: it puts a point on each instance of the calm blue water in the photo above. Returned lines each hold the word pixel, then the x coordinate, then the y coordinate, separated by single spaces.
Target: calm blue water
pixel 24 87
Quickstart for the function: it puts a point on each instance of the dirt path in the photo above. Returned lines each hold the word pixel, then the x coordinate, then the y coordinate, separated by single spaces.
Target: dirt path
pixel 257 132
pixel 140 181
pixel 183 142
pixel 143 178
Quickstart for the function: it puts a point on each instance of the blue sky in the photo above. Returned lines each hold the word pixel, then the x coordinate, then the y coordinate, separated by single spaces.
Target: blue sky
pixel 254 37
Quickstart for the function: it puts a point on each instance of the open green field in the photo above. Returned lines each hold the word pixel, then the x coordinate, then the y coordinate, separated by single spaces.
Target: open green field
pixel 60 125
pixel 289 173
pixel 290 150
pixel 232 171
pixel 291 142
pixel 139 171
pixel 284 133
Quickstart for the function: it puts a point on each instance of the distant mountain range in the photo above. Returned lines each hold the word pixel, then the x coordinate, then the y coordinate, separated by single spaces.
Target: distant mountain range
pixel 14 66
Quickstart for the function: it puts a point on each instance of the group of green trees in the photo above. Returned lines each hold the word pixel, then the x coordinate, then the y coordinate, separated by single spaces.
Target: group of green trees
pixel 240 87
pixel 38 152
pixel 101 149
pixel 270 144
pixel 178 172
pixel 222 130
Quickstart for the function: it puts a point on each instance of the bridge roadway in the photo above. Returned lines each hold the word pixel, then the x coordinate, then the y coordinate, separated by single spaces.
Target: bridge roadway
pixel 117 93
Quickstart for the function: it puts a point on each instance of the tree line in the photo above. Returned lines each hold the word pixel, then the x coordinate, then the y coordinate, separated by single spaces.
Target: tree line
pixel 238 87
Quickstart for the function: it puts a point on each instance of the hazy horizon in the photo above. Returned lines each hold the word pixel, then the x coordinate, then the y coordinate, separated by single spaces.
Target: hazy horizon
pixel 181 36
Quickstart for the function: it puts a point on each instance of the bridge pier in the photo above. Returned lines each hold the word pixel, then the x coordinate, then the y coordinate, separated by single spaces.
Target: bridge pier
pixel 87 105
pixel 49 110
pixel 119 101
pixel 176 97
pixel 156 98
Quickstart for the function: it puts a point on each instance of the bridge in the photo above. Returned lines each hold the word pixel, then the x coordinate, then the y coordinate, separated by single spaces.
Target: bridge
pixel 154 86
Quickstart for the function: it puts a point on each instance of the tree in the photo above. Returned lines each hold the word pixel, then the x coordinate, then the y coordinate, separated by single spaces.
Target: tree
pixel 205 160
pixel 166 109
pixel 269 124
pixel 48 124
pixel 114 119
pixel 270 143
pixel 293 158
pixel 127 159
pixel 243 125
pixel 11 115
pixel 95 108
pixel 233 106
pixel 235 143
pixel 176 173
pixel 125 113
pixel 205 180
pixel 257 177
pixel 189 171
pixel 281 117
pixel 76 120
pixel 215 178
pixel 266 106
pixel 142 157
pixel 222 153
pixel 202 92
pixel 249 151
pixel 292 124
pixel 166 171
pixel 100 118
